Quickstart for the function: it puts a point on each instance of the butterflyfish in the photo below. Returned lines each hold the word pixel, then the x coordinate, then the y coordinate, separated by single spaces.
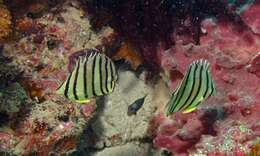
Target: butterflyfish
pixel 196 87
pixel 93 75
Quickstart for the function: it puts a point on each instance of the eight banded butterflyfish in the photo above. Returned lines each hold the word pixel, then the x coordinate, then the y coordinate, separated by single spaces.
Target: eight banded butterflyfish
pixel 196 87
pixel 94 74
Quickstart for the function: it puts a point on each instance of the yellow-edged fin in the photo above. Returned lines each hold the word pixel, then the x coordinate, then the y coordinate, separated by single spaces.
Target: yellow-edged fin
pixel 83 101
pixel 189 110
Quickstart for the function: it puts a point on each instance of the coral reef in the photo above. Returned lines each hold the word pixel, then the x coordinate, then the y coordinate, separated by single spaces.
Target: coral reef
pixel 51 127
pixel 46 43
pixel 250 17
pixel 225 124
pixel 158 39
pixel 35 120
pixel 146 24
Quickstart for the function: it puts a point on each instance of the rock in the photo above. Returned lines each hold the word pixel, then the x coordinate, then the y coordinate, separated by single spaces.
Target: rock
pixel 129 149
pixel 112 125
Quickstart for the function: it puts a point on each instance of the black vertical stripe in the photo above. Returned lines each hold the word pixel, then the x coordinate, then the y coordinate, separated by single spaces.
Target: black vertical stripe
pixel 85 77
pixel 106 76
pixel 193 84
pixel 111 73
pixel 212 87
pixel 198 90
pixel 61 85
pixel 186 81
pixel 207 85
pixel 171 102
pixel 197 104
pixel 100 75
pixel 177 93
pixel 93 75
pixel 75 81
pixel 67 86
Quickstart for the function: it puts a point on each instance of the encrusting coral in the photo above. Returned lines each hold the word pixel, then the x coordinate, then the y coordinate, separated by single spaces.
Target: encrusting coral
pixel 5 22
pixel 39 56
pixel 226 124
pixel 12 98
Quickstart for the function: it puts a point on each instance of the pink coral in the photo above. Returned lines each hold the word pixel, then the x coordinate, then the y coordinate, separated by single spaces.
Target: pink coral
pixel 254 66
pixel 226 123
pixel 251 17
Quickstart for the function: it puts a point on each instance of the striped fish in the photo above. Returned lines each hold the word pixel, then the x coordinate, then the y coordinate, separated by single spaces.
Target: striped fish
pixel 196 87
pixel 94 75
